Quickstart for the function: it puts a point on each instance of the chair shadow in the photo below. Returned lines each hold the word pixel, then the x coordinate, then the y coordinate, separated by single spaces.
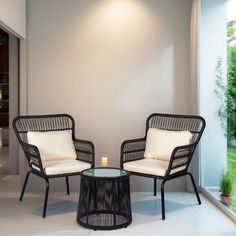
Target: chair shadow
pixel 58 208
pixel 152 207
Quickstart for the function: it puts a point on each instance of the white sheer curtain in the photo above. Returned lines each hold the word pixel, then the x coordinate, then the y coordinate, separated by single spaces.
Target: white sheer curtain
pixel 194 53
pixel 194 74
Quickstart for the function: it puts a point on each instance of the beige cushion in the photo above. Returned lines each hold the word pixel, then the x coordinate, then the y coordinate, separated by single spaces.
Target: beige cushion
pixel 150 166
pixel 64 166
pixel 53 145
pixel 161 143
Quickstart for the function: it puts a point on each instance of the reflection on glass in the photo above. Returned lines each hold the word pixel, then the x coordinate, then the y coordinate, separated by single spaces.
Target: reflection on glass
pixel 105 172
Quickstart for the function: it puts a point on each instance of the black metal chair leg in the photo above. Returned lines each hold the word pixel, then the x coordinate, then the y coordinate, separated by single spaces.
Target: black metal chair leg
pixel 163 200
pixel 24 186
pixel 67 185
pixel 195 188
pixel 155 186
pixel 46 199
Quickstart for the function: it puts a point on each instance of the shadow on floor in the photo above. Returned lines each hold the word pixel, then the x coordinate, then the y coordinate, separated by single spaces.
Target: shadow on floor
pixel 150 207
pixel 58 208
pixel 153 207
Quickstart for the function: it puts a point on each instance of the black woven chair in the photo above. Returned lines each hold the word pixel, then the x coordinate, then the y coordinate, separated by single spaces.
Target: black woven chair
pixel 133 150
pixel 42 123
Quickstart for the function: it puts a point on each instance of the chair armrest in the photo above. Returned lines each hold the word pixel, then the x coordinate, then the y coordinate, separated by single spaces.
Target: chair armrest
pixel 181 158
pixel 132 150
pixel 85 150
pixel 33 157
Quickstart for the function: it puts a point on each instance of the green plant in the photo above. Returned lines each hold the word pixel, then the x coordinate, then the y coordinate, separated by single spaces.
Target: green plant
pixel 226 184
pixel 226 88
pixel 226 92
pixel 231 30
pixel 221 93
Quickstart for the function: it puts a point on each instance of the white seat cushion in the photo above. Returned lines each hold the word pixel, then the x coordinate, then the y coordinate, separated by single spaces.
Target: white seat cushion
pixel 53 145
pixel 64 166
pixel 161 143
pixel 150 166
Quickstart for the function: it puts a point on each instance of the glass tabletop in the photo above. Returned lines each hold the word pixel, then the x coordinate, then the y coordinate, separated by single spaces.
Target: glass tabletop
pixel 105 172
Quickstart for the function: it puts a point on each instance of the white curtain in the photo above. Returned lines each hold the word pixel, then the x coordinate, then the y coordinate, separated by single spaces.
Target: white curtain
pixel 194 53
pixel 194 73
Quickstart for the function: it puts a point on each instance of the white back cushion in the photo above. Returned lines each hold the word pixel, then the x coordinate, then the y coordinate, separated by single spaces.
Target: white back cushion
pixel 161 143
pixel 53 145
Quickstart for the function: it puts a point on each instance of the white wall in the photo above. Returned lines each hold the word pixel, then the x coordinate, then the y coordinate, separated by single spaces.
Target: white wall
pixel 212 46
pixel 109 64
pixel 13 16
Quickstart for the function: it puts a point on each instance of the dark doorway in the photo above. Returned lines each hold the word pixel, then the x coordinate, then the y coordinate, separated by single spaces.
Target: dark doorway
pixel 4 102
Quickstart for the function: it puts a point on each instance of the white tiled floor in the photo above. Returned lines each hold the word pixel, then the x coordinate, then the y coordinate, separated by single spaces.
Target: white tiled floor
pixel 183 216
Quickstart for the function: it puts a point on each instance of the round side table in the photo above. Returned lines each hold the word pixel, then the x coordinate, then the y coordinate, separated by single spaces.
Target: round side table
pixel 104 201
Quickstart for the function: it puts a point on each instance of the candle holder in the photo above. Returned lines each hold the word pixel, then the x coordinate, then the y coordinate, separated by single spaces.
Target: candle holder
pixel 104 161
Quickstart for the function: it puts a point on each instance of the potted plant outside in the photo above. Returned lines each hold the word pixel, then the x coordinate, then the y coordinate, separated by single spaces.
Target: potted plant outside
pixel 226 187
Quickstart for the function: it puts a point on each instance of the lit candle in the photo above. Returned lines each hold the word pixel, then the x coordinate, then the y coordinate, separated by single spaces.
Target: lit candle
pixel 104 161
